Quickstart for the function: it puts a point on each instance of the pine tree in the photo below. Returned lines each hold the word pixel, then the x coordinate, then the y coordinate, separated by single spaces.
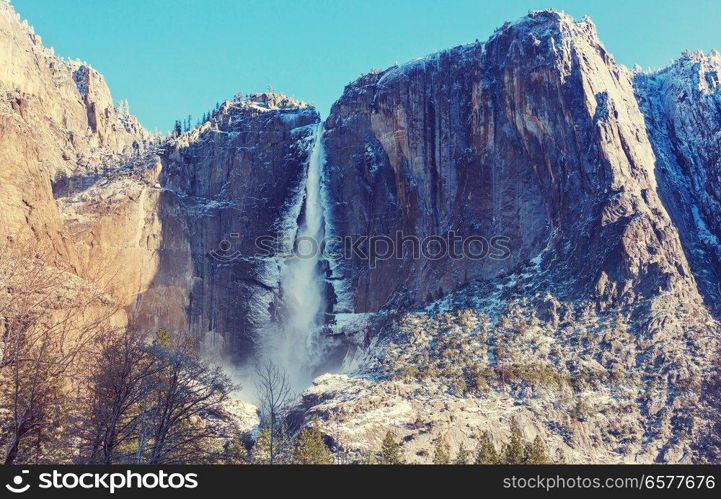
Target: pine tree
pixel 282 446
pixel 536 452
pixel 463 455
pixel 234 452
pixel 390 450
pixel 514 451
pixel 162 338
pixel 487 453
pixel 442 452
pixel 310 447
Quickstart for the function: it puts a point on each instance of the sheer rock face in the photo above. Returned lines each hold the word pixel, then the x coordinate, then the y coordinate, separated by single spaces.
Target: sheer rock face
pixel 57 120
pixel 682 106
pixel 605 182
pixel 535 133
pixel 224 185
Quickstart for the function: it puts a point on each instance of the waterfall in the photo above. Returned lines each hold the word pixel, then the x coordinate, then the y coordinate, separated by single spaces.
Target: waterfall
pixel 295 346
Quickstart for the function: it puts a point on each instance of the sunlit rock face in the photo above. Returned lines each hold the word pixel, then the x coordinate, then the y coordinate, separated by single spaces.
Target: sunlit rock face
pixel 57 121
pixel 139 216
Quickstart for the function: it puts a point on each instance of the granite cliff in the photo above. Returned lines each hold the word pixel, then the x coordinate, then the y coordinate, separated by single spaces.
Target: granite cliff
pixel 597 328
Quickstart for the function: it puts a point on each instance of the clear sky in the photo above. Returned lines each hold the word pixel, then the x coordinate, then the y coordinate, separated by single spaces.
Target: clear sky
pixel 171 58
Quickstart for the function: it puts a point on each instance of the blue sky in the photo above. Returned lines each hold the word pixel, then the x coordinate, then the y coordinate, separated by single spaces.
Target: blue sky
pixel 171 58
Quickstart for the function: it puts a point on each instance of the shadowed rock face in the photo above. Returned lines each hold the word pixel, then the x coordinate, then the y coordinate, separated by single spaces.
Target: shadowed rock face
pixel 224 185
pixel 681 105
pixel 536 132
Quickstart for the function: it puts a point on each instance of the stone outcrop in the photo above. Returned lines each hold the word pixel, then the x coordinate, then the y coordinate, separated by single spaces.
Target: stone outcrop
pixel 533 134
pixel 57 121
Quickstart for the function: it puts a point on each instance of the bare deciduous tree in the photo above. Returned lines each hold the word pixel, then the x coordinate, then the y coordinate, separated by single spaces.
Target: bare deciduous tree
pixel 73 387
pixel 115 391
pixel 47 319
pixel 184 392
pixel 273 390
pixel 151 402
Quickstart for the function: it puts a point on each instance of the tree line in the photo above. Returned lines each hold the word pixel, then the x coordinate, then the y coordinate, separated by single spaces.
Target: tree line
pixel 187 124
pixel 515 451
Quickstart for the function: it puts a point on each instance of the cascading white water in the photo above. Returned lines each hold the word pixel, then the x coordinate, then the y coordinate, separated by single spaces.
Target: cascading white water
pixel 295 348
